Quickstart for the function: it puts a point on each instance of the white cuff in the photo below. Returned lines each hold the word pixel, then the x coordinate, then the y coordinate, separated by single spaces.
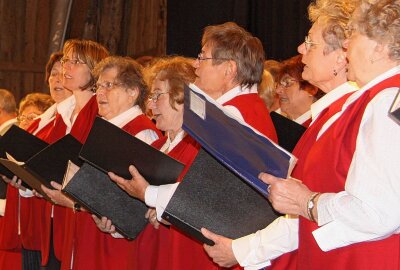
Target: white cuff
pixel 26 194
pixel 150 196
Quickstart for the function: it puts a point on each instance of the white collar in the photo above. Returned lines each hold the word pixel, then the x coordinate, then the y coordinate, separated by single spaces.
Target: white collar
pixel 303 118
pixel 236 91
pixel 330 97
pixel 169 145
pixel 65 108
pixel 7 123
pixel 124 118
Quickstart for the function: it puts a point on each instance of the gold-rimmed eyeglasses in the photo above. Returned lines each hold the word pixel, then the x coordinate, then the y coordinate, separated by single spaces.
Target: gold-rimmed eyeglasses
pixel 308 43
pixel 155 96
pixel 106 85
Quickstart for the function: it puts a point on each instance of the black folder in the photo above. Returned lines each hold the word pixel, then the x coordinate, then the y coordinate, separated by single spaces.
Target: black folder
pixel 47 165
pixel 289 132
pixel 394 111
pixel 20 144
pixel 94 190
pixel 3 189
pixel 213 197
pixel 111 149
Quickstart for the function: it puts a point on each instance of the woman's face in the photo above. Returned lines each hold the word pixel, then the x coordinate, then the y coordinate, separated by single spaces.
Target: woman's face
pixel 27 116
pixel 293 100
pixel 76 74
pixel 57 91
pixel 167 118
pixel 360 52
pixel 113 98
pixel 319 67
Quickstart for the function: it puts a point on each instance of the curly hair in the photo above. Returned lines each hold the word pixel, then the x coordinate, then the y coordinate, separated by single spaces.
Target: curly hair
pixel 41 101
pixel 380 21
pixel 177 70
pixel 334 15
pixel 129 73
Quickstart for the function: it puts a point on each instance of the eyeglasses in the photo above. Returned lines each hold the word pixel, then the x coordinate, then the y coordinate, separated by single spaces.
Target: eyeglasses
pixel 286 83
pixel 106 85
pixel 201 58
pixel 155 96
pixel 308 43
pixel 28 117
pixel 72 62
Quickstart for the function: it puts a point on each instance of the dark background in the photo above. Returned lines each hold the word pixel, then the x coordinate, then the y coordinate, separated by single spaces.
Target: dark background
pixel 280 24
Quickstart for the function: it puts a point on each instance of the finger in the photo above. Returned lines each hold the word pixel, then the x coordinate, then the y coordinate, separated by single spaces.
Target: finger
pixel 134 172
pixel 117 179
pixel 210 235
pixel 112 230
pixel 96 219
pixel 147 215
pixel 267 178
pixel 55 185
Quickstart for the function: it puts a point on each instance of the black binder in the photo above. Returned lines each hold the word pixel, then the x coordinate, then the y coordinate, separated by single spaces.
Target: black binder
pixel 94 190
pixel 47 165
pixel 213 197
pixel 20 144
pixel 394 111
pixel 111 149
pixel 289 132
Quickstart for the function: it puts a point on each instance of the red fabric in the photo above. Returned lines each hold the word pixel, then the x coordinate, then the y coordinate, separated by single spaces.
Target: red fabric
pixel 339 141
pixel 255 113
pixel 307 122
pixel 289 260
pixel 10 260
pixel 62 228
pixel 9 238
pixel 94 249
pixel 32 209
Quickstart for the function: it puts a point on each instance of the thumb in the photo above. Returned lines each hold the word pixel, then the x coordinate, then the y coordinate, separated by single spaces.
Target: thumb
pixel 55 185
pixel 134 172
pixel 268 178
pixel 210 235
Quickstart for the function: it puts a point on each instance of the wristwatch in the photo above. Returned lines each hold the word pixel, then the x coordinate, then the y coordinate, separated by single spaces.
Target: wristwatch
pixel 311 205
pixel 77 207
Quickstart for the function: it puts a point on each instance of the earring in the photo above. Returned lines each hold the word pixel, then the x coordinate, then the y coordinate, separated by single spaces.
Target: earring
pixel 334 73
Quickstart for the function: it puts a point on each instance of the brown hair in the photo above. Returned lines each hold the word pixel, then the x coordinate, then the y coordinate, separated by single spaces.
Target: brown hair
pixel 231 42
pixel 54 58
pixel 380 22
pixel 129 73
pixel 7 102
pixel 177 70
pixel 294 67
pixel 39 100
pixel 87 51
pixel 334 16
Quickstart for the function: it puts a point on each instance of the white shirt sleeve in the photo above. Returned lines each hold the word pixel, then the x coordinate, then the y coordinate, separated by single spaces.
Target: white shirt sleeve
pixel 2 206
pixel 26 194
pixel 366 209
pixel 256 250
pixel 148 136
pixel 159 196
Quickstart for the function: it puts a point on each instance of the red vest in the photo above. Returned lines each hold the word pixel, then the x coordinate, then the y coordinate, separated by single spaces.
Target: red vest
pixel 62 230
pixel 94 249
pixel 254 113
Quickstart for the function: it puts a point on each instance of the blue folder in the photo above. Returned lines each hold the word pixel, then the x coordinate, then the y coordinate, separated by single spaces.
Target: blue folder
pixel 241 148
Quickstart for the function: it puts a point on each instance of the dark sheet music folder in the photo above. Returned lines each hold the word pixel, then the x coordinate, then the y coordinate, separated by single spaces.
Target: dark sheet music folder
pixel 111 149
pixel 243 150
pixel 289 132
pixel 94 190
pixel 47 165
pixel 394 111
pixel 20 144
pixel 213 197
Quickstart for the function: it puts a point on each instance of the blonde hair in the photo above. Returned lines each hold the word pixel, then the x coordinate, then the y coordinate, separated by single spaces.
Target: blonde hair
pixel 266 89
pixel 39 100
pixel 334 16
pixel 177 70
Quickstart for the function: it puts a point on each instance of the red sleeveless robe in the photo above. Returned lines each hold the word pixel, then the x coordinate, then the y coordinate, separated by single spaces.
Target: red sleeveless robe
pixel 94 249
